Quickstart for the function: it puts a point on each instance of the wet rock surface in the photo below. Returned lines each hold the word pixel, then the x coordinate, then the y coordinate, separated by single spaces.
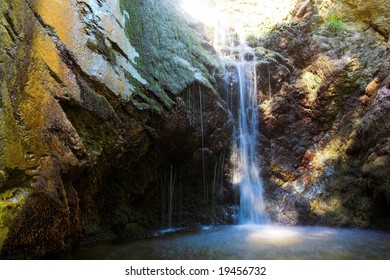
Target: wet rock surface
pixel 80 160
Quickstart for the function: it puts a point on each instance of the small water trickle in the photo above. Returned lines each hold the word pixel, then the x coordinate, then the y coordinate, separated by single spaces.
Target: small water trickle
pixel 172 181
pixel 205 187
pixel 239 62
pixel 216 187
pixel 171 198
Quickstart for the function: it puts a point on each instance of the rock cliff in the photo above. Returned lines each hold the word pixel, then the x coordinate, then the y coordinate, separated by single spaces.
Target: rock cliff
pixel 82 122
pixel 324 86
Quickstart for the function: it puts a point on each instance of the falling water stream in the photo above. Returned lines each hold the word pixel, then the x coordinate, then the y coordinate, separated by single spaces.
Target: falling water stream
pixel 240 78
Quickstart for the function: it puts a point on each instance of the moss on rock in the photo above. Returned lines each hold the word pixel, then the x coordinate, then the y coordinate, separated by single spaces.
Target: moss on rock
pixel 11 204
pixel 171 55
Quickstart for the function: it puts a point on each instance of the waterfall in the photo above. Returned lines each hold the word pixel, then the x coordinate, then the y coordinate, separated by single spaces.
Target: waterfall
pixel 251 187
pixel 240 79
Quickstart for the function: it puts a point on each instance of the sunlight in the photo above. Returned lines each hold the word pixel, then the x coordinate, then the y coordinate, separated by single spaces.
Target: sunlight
pixel 316 75
pixel 201 10
pixel 275 235
pixel 252 16
pixel 237 174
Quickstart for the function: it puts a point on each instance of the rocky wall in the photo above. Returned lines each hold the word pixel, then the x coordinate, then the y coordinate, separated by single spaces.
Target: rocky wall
pixel 323 90
pixel 79 157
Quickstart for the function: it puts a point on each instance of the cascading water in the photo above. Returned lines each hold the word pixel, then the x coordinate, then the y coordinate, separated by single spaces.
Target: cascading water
pixel 240 79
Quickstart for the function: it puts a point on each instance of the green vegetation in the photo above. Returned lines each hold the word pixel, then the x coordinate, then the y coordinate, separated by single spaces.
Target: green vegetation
pixel 252 40
pixel 335 23
pixel 171 54
pixel 11 203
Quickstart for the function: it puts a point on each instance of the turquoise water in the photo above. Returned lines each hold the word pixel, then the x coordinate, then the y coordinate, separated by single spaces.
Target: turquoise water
pixel 246 242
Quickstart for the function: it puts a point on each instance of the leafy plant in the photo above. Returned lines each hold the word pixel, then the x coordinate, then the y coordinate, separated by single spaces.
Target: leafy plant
pixel 335 23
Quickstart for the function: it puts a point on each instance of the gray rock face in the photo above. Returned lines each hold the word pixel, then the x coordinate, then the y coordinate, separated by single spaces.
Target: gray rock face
pixel 79 160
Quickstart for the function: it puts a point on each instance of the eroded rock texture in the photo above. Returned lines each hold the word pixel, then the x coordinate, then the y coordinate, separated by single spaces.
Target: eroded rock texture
pixel 79 159
pixel 324 115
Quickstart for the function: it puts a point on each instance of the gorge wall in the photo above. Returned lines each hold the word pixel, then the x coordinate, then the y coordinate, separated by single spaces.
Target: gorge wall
pixel 94 132
pixel 325 104
pixel 112 121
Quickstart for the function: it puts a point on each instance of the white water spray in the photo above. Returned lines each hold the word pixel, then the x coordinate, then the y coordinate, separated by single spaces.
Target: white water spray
pixel 240 78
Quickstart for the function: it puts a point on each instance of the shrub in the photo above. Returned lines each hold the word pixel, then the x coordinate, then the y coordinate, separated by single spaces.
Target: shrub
pixel 335 23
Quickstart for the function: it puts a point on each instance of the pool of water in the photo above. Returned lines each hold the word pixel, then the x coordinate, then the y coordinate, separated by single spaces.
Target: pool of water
pixel 246 242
